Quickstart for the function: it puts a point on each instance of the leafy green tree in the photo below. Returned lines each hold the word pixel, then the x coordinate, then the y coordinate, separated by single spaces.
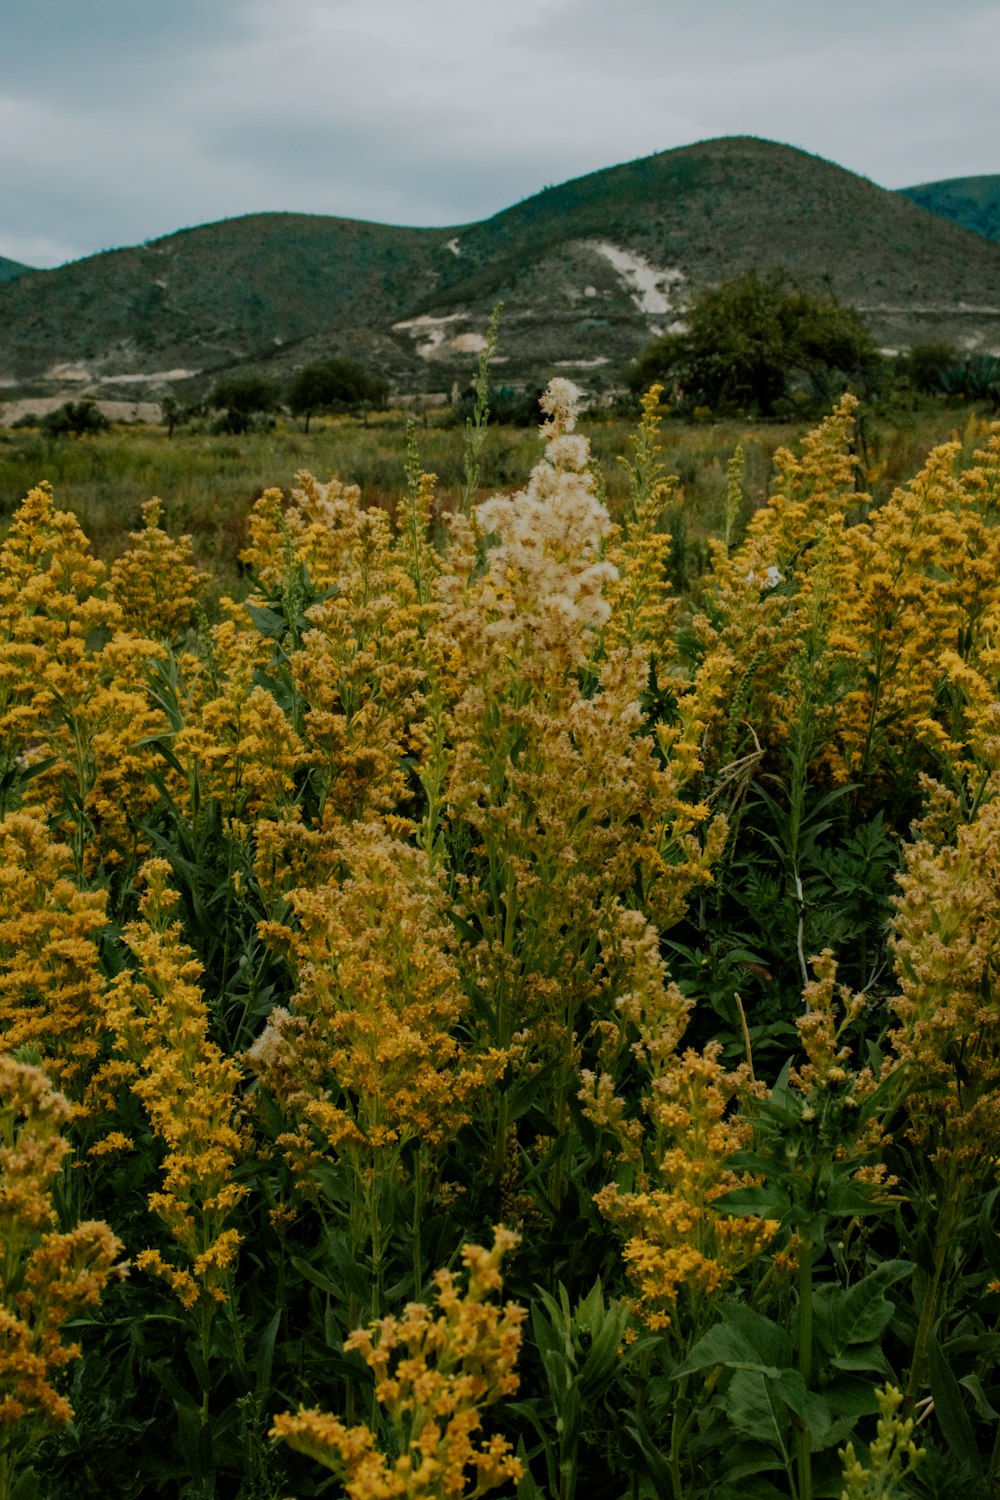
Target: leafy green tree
pixel 757 341
pixel 927 366
pixel 334 385
pixel 75 418
pixel 243 401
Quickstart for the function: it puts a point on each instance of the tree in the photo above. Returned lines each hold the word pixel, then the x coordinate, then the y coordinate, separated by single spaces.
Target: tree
pixel 927 366
pixel 756 341
pixel 172 413
pixel 76 418
pixel 243 400
pixel 334 385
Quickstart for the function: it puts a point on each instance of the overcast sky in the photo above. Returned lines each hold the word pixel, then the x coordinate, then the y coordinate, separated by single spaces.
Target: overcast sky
pixel 122 120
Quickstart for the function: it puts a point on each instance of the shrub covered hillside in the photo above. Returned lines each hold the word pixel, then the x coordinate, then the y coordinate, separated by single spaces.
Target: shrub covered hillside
pixel 473 1023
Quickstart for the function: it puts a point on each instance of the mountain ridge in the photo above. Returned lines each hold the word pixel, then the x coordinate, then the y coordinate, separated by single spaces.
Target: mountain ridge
pixel 589 270
pixel 972 202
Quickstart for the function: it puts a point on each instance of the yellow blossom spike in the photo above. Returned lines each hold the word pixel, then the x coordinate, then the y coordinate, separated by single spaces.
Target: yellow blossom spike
pixel 435 1370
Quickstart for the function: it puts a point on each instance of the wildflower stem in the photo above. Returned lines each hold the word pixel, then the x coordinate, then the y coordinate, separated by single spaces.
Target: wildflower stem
pixel 677 1431
pixel 929 1312
pixel 475 427
pixel 418 1205
pixel 802 1439
pixel 503 1019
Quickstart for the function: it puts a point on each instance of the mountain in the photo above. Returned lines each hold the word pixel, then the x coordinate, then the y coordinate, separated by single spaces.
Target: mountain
pixel 11 269
pixel 588 271
pixel 972 202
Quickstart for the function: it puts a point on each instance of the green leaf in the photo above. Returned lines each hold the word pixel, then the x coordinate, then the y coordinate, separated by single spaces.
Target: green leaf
pixel 845 1198
pixel 988 1236
pixel 657 1466
pixel 179 1395
pixel 724 1345
pixel 758 1406
pixel 527 1489
pixel 863 1312
pixel 269 622
pixel 761 1489
pixel 265 1354
pixel 25 1486
pixel 317 1278
pixel 862 1357
pixel 764 1459
pixel 772 1344
pixel 819 1419
pixel 949 1408
pixel 765 1202
pixel 849 1400
pixel 974 1386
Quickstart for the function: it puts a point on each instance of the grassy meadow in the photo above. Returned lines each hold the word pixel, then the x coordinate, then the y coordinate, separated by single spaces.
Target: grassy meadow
pixel 209 483
pixel 499 950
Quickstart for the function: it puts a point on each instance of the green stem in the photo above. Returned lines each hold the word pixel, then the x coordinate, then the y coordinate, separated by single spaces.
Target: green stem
pixel 803 1442
pixel 504 1021
pixel 645 1365
pixel 418 1206
pixel 930 1310
pixel 205 1344
pixel 677 1431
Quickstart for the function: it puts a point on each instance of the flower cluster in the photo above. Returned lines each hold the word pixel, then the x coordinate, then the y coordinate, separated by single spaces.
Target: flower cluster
pixel 435 1369
pixel 155 582
pixel 46 1277
pixel 51 989
pixel 367 1057
pixel 188 1088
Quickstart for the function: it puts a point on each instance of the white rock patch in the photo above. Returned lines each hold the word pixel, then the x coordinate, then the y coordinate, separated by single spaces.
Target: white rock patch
pixel 67 372
pixel 649 287
pixel 155 376
pixel 434 333
pixel 425 322
pixel 453 246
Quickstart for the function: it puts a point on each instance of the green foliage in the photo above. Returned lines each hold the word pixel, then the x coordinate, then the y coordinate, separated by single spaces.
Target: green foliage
pixel 334 385
pixel 75 419
pixel 972 202
pixel 926 365
pixel 245 401
pixel 754 343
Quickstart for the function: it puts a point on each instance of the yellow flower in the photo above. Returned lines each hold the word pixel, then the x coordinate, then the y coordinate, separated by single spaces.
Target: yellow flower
pixel 188 1088
pixel 46 1277
pixel 51 989
pixel 155 583
pixel 435 1370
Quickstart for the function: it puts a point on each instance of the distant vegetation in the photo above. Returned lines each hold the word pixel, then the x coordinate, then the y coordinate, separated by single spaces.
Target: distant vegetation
pixel 335 385
pixel 209 482
pixel 244 401
pixel 75 419
pixel 972 202
pixel 759 345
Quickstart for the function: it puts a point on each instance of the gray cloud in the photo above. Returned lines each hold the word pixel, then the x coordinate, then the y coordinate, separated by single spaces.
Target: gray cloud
pixel 125 119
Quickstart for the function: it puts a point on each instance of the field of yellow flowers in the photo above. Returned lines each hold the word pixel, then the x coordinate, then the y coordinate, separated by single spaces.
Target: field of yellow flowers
pixel 474 1022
